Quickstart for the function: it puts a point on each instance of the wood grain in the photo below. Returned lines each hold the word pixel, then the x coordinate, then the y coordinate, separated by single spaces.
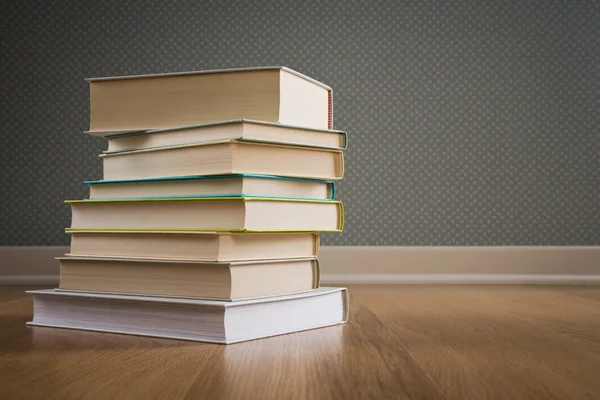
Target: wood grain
pixel 12 293
pixel 359 361
pixel 576 317
pixel 409 342
pixel 587 292
pixel 487 352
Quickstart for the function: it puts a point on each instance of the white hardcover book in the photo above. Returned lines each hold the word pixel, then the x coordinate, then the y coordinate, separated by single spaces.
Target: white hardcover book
pixel 190 319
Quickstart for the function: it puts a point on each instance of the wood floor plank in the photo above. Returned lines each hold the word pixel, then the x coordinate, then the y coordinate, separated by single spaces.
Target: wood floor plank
pixel 13 317
pixel 474 351
pixel 584 292
pixel 559 309
pixel 11 293
pixel 361 360
pixel 49 363
pixel 412 342
pixel 69 364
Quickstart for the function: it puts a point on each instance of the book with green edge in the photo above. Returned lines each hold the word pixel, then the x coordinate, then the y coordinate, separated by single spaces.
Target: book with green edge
pixel 223 214
pixel 217 186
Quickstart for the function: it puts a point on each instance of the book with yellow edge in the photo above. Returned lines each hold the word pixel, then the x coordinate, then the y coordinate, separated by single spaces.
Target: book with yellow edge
pixel 239 214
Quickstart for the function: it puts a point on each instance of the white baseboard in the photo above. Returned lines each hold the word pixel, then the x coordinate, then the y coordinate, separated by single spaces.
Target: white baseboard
pixel 51 280
pixel 407 265
pixel 461 279
pixel 461 265
pixel 30 265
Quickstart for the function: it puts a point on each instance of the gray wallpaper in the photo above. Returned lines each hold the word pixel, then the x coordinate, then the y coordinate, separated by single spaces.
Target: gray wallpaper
pixel 470 122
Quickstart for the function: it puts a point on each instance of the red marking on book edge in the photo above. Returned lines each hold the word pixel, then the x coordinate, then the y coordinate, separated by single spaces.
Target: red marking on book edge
pixel 330 110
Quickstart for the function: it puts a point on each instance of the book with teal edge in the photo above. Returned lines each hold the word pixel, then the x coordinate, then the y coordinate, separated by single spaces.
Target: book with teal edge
pixel 330 184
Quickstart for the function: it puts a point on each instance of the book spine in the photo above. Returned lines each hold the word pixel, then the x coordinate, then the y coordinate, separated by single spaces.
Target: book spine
pixel 346 302
pixel 316 243
pixel 330 110
pixel 332 190
pixel 340 163
pixel 344 141
pixel 341 217
pixel 316 273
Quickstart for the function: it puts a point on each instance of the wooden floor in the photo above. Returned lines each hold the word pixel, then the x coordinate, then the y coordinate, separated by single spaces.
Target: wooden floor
pixel 405 342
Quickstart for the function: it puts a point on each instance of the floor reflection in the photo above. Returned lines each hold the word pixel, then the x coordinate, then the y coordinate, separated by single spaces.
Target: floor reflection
pixel 50 339
pixel 257 366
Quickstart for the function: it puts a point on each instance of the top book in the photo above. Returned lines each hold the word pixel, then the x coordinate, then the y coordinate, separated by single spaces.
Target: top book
pixel 271 94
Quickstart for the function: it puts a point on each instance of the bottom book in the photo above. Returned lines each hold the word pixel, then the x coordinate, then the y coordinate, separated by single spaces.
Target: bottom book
pixel 190 319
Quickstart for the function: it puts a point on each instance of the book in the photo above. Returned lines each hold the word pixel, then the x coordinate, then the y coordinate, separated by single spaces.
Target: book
pixel 271 94
pixel 190 319
pixel 232 185
pixel 239 214
pixel 228 157
pixel 224 130
pixel 199 246
pixel 233 280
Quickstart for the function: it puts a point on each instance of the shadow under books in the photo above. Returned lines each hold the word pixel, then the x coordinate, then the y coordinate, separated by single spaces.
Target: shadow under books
pixel 53 339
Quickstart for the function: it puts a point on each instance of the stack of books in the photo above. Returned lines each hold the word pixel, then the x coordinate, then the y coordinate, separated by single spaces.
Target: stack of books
pixel 206 224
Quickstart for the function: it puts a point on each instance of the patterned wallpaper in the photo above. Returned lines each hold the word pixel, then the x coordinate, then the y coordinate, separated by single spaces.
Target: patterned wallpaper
pixel 469 122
